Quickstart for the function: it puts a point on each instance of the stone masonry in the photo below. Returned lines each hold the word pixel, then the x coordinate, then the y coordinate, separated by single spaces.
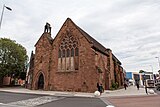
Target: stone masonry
pixel 95 62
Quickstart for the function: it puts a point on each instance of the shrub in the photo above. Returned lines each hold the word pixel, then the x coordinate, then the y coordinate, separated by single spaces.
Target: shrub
pixel 114 85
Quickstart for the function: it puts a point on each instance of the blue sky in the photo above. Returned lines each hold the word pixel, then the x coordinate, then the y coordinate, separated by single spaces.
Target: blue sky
pixel 130 28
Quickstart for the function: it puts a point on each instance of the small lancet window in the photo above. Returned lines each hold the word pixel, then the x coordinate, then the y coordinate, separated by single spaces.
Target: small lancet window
pixel 72 52
pixel 63 55
pixel 76 51
pixel 68 52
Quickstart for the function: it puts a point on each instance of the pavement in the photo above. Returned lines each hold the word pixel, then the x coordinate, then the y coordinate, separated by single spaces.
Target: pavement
pixel 131 91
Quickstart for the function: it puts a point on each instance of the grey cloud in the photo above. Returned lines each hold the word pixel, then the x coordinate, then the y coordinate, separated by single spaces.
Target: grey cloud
pixel 129 27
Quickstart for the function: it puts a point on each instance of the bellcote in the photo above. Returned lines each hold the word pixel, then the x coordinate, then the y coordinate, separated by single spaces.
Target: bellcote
pixel 47 28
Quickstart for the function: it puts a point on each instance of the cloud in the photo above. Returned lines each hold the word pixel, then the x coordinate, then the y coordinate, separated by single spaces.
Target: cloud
pixel 129 27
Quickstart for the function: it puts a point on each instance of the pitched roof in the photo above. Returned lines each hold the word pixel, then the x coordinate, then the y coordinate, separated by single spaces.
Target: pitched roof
pixel 96 45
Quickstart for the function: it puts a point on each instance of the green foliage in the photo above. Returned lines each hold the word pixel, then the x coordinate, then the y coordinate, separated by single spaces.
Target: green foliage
pixel 114 85
pixel 141 71
pixel 23 75
pixel 13 57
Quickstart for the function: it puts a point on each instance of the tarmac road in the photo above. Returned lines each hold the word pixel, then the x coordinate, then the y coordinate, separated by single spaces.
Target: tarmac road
pixel 76 102
pixel 8 99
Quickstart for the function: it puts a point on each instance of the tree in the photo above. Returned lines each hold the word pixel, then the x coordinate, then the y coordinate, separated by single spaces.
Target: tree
pixel 13 58
pixel 142 71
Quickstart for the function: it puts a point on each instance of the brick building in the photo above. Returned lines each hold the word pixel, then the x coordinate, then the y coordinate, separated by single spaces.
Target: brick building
pixel 72 61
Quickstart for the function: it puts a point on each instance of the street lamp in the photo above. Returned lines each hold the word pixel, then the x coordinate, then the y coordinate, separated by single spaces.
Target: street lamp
pixel 3 12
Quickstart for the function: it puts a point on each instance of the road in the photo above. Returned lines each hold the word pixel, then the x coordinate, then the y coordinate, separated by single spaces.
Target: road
pixel 135 101
pixel 31 100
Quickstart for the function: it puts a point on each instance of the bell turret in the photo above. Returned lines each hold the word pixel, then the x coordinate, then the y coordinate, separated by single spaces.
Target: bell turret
pixel 47 28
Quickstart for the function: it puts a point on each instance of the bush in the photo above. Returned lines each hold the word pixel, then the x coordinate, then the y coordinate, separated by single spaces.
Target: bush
pixel 114 85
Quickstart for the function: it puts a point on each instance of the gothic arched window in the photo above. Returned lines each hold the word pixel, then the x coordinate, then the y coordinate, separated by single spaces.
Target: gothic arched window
pixel 68 54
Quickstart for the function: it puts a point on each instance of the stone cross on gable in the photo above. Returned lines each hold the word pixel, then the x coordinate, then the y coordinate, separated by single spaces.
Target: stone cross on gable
pixel 47 28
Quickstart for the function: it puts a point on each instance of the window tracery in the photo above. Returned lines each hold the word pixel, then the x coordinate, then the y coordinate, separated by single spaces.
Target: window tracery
pixel 68 53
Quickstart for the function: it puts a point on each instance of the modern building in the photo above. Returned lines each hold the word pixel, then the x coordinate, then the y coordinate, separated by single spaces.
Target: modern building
pixel 135 76
pixel 72 61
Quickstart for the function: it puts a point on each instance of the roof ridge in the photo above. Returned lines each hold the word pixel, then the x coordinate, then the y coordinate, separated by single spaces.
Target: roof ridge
pixel 95 43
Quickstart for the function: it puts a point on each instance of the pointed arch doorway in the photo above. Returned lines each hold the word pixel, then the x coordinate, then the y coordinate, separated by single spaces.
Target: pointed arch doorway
pixel 41 82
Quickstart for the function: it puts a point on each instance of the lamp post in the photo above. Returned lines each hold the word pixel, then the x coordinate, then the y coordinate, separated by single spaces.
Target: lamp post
pixel 3 12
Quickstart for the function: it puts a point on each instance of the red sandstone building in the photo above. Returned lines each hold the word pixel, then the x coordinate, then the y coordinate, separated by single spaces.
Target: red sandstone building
pixel 72 61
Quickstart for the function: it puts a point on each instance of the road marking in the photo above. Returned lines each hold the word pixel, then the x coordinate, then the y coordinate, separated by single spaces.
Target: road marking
pixel 108 103
pixel 7 105
pixel 35 101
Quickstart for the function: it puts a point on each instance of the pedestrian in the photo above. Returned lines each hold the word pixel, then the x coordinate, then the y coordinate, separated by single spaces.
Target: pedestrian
pixel 137 84
pixel 125 85
pixel 97 86
pixel 101 89
pixel 146 89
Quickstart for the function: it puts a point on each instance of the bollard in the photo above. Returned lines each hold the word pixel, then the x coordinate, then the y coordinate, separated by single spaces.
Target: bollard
pixel 97 94
pixel 151 91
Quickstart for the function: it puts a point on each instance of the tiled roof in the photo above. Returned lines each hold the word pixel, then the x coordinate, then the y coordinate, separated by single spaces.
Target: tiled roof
pixel 96 45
